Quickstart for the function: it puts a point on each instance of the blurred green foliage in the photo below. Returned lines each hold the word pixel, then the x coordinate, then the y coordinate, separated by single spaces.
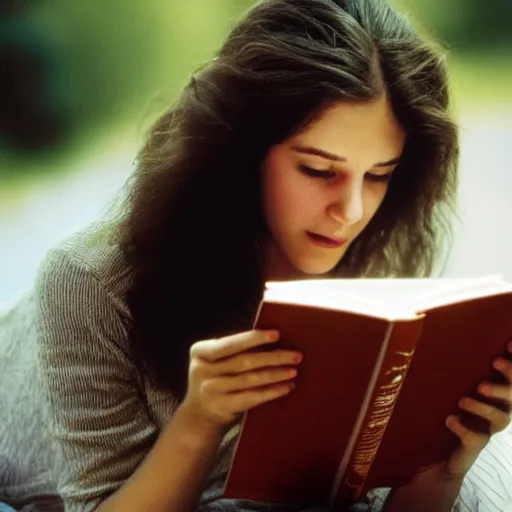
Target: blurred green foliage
pixel 117 55
pixel 87 65
pixel 465 25
pixel 99 64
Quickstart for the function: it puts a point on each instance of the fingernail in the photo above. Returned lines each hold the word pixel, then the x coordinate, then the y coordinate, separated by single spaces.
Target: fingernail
pixel 272 335
pixel 297 358
pixel 499 364
pixel 449 420
pixel 484 388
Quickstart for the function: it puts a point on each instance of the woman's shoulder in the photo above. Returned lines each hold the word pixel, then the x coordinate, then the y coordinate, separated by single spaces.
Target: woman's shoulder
pixel 87 256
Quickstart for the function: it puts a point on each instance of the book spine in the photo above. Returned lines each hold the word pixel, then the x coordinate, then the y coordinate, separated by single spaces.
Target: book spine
pixel 390 373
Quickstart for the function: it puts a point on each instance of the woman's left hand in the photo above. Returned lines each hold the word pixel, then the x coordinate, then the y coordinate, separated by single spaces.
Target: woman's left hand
pixel 472 443
pixel 437 487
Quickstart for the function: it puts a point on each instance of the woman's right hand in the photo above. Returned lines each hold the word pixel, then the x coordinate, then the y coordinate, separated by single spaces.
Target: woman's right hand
pixel 226 377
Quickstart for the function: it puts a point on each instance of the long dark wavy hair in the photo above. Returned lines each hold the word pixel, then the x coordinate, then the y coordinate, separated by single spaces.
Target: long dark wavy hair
pixel 191 225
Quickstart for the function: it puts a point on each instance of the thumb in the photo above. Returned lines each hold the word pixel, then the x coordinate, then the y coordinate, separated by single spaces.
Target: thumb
pixel 471 444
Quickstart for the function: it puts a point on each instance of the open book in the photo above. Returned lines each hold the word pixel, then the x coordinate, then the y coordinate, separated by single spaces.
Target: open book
pixel 385 362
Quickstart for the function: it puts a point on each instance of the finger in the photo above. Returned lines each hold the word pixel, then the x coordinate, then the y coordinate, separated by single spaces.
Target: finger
pixel 250 380
pixel 251 361
pixel 245 400
pixel 498 419
pixel 213 350
pixel 497 391
pixel 505 367
pixel 471 441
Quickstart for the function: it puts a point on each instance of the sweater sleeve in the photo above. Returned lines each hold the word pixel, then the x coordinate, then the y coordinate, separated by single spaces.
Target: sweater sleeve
pixel 96 413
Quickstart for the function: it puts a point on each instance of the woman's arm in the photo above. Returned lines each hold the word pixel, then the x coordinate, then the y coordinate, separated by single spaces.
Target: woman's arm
pixel 111 453
pixel 98 419
pixel 428 491
pixel 110 456
pixel 162 484
pixel 438 488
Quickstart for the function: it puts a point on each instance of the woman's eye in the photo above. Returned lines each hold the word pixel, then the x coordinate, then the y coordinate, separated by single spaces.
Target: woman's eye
pixel 316 173
pixel 384 178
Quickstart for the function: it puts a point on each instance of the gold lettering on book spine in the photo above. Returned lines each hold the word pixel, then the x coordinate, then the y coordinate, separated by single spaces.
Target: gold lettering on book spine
pixel 376 421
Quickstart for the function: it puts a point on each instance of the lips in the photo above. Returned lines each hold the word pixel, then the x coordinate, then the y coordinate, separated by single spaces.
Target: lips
pixel 325 241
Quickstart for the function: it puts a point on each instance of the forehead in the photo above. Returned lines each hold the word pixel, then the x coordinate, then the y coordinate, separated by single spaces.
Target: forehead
pixel 369 126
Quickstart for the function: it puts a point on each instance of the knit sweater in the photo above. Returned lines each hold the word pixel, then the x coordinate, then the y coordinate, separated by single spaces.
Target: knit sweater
pixel 77 417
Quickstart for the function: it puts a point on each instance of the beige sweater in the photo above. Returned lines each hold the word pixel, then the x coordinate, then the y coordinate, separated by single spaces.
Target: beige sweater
pixel 77 417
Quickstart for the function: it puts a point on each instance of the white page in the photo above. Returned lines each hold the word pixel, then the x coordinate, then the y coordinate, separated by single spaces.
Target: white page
pixel 332 294
pixel 389 298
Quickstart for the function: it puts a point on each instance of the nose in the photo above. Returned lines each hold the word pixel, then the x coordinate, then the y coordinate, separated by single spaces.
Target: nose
pixel 348 209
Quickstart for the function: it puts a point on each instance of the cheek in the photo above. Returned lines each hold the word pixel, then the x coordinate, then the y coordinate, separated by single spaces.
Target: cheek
pixel 286 196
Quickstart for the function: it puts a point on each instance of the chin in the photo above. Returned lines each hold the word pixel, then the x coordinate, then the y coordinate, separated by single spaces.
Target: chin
pixel 316 269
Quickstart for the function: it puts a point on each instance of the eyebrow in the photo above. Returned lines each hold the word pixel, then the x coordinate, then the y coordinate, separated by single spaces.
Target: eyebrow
pixel 310 150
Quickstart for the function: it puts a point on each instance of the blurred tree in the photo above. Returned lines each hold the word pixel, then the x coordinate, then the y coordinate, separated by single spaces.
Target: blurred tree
pixel 32 116
pixel 73 71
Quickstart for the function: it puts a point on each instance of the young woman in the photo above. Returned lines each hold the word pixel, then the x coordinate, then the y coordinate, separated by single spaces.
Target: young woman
pixel 317 143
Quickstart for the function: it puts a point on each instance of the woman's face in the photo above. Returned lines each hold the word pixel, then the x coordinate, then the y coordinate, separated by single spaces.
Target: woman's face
pixel 322 186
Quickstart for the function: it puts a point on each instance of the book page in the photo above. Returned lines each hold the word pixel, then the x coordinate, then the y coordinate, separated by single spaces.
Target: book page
pixel 334 294
pixel 462 291
pixel 385 298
